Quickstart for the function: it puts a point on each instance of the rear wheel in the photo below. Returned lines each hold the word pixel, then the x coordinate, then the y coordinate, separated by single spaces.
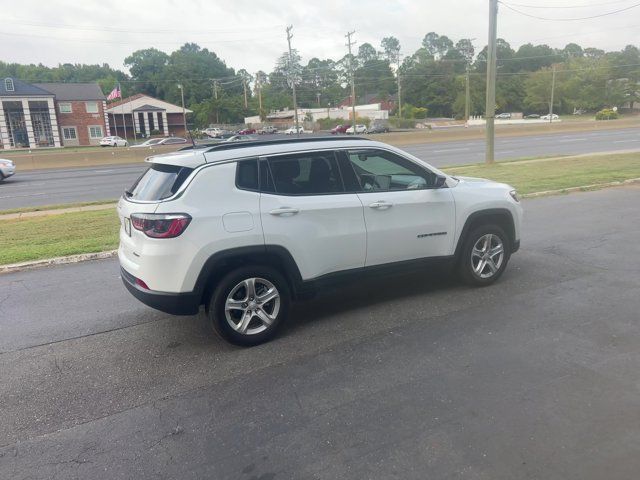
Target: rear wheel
pixel 249 305
pixel 484 255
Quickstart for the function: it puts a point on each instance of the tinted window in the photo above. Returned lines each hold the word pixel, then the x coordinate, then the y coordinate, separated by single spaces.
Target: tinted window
pixel 378 171
pixel 159 182
pixel 266 182
pixel 247 175
pixel 306 174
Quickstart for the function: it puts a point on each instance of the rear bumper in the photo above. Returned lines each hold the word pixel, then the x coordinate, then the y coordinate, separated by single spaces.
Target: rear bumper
pixel 174 303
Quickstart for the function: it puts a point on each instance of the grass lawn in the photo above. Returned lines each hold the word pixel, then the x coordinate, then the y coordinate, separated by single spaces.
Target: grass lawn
pixel 57 235
pixel 94 231
pixel 555 174
pixel 60 206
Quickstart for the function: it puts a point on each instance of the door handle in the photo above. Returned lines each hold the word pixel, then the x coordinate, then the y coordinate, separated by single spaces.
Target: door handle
pixel 288 211
pixel 381 205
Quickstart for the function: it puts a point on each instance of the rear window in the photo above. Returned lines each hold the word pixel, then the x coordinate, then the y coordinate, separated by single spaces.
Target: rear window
pixel 159 182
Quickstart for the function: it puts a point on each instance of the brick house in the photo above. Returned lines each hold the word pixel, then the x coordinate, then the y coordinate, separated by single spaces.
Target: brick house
pixel 50 114
pixel 80 108
pixel 139 115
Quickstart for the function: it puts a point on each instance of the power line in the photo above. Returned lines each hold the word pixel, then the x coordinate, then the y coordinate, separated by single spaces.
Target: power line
pixel 570 19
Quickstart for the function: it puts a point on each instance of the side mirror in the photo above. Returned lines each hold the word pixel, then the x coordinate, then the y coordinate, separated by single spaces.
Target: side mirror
pixel 440 181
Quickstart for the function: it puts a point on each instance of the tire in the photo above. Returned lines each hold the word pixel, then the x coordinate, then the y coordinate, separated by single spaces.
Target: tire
pixel 475 251
pixel 235 288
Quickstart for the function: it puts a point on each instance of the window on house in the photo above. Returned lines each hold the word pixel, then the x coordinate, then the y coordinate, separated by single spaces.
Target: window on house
pixel 92 107
pixel 95 131
pixel 69 133
pixel 8 85
pixel 64 107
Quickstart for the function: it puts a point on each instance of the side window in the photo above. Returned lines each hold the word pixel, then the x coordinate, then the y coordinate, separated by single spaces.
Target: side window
pixel 247 174
pixel 266 182
pixel 381 171
pixel 313 173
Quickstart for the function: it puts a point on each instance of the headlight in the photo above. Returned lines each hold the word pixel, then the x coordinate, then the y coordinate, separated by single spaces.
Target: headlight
pixel 6 163
pixel 515 195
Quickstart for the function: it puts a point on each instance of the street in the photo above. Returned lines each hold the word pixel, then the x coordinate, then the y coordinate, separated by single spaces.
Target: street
pixel 50 187
pixel 410 377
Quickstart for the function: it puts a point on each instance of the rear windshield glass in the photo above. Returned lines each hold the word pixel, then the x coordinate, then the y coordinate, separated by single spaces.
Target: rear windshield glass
pixel 159 182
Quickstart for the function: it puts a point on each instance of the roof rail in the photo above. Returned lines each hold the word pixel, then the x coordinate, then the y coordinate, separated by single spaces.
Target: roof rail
pixel 278 141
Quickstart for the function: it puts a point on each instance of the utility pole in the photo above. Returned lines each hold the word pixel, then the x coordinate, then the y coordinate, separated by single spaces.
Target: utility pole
pixel 244 86
pixel 215 95
pixel 553 87
pixel 399 88
pixel 353 80
pixel 467 97
pixel 490 110
pixel 293 80
pixel 259 88
pixel 184 115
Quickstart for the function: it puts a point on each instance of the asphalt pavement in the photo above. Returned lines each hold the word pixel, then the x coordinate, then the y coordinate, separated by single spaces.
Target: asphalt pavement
pixel 414 377
pixel 27 189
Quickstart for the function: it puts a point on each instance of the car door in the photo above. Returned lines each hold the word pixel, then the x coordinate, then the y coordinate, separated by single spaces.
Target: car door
pixel 305 209
pixel 406 217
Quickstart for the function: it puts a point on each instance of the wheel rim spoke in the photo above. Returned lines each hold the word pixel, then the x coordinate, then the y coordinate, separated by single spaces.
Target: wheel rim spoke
pixel 269 295
pixel 244 322
pixel 264 317
pixel 234 304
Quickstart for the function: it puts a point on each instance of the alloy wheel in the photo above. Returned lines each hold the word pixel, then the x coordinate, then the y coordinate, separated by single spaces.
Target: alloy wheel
pixel 487 255
pixel 252 306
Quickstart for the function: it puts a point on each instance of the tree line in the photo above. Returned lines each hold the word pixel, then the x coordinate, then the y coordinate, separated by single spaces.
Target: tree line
pixel 432 78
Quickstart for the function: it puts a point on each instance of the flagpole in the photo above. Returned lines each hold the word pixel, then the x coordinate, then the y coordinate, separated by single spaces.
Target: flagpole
pixel 124 123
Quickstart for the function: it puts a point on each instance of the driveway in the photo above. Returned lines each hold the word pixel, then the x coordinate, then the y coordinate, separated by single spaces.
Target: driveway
pixel 399 378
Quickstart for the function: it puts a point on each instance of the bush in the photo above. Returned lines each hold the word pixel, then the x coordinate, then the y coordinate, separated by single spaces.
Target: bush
pixel 606 114
pixel 155 133
pixel 402 122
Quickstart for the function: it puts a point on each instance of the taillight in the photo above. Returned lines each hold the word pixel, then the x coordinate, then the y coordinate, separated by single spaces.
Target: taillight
pixel 160 225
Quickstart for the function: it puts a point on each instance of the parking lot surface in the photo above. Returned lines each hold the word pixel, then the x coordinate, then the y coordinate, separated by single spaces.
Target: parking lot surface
pixel 395 378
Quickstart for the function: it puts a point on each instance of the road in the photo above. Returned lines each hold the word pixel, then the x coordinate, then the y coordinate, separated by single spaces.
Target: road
pixel 107 183
pixel 409 378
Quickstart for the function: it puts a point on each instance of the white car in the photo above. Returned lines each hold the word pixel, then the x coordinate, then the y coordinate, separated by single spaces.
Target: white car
pixel 549 117
pixel 245 228
pixel 148 143
pixel 214 132
pixel 7 168
pixel 156 142
pixel 359 129
pixel 292 130
pixel 113 141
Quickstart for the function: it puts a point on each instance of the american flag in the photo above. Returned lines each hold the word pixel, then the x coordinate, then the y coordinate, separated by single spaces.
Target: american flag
pixel 115 93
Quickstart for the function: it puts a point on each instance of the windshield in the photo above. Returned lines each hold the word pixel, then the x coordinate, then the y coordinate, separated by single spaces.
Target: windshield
pixel 158 182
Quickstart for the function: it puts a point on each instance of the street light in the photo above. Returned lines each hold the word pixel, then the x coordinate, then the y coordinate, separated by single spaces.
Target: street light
pixel 184 114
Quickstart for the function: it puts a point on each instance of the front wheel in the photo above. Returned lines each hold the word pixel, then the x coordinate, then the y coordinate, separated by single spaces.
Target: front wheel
pixel 484 255
pixel 249 305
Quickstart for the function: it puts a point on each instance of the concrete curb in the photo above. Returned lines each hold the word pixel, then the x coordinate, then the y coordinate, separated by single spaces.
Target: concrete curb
pixel 57 211
pixel 82 257
pixel 583 188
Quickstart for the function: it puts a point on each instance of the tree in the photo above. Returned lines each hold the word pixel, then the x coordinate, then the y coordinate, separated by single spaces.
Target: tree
pixel 390 48
pixel 148 68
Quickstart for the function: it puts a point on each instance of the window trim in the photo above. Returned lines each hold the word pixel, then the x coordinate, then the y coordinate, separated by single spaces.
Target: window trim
pixel 75 129
pixel 9 85
pixel 60 104
pixel 91 137
pixel 418 166
pixel 86 107
pixel 267 158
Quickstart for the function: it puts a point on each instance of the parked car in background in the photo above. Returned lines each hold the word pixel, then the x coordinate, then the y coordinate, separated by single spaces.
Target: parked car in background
pixel 550 117
pixel 340 129
pixel 247 131
pixel 147 143
pixel 7 168
pixel 156 142
pixel 172 141
pixel 358 129
pixel 214 132
pixel 532 115
pixel 240 138
pixel 113 141
pixel 292 130
pixel 268 130
pixel 378 128
pixel 503 116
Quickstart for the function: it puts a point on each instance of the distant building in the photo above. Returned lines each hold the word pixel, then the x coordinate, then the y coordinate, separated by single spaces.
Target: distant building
pixel 144 114
pixel 387 102
pixel 50 114
pixel 286 118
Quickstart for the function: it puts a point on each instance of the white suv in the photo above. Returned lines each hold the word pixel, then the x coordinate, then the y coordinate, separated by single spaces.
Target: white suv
pixel 245 228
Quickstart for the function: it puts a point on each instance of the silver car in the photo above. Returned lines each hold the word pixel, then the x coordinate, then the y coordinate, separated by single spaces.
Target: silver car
pixel 7 168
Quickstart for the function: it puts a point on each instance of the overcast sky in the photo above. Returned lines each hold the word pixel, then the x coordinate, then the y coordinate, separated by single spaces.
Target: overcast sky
pixel 251 34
